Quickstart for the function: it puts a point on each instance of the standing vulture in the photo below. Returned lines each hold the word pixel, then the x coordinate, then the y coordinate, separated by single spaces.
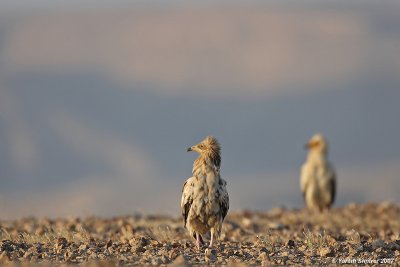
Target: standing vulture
pixel 317 177
pixel 205 200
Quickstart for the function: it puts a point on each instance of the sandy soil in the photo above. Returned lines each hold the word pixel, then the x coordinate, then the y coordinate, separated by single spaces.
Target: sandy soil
pixel 353 234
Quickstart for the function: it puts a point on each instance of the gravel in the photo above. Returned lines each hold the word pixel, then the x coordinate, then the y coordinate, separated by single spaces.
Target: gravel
pixel 366 233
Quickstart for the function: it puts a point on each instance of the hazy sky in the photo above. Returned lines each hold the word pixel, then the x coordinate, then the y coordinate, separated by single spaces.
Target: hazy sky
pixel 98 105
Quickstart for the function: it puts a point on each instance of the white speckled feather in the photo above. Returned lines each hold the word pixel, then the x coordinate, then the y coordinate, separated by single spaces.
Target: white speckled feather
pixel 205 200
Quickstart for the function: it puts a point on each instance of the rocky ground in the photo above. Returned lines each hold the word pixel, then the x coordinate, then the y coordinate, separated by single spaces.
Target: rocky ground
pixel 366 234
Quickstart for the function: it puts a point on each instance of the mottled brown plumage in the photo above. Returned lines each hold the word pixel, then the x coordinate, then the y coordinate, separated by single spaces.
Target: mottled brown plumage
pixel 205 200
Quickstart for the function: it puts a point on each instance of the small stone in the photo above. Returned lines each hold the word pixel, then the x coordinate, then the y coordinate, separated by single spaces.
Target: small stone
pixel 290 243
pixel 210 255
pixel 60 244
pixel 330 240
pixel 122 258
pixel 378 244
pixel 173 254
pixel 138 250
pixel 109 243
pixel 353 236
pixel 352 250
pixel 360 248
pixel 179 261
pixel 246 222
pixel 393 246
pixel 324 251
pixel 83 247
pixel 302 248
pixel 164 259
pixel 62 241
pixel 139 242
pixel 156 261
pixel 27 254
pixel 263 256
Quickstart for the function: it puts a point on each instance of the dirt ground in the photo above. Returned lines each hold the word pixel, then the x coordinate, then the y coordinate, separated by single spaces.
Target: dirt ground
pixel 355 234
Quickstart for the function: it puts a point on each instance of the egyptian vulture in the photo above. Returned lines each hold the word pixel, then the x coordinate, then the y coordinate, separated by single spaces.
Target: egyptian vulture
pixel 205 200
pixel 317 177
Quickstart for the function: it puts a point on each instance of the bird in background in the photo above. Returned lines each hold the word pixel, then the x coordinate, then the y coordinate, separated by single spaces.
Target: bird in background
pixel 205 200
pixel 317 177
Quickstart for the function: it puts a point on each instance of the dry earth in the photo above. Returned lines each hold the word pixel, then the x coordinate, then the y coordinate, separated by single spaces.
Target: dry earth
pixel 360 233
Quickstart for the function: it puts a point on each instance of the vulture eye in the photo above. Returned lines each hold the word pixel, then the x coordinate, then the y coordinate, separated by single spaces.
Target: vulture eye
pixel 201 146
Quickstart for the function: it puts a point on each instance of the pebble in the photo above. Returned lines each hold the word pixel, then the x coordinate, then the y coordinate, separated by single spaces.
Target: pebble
pixel 378 244
pixel 143 242
pixel 210 255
